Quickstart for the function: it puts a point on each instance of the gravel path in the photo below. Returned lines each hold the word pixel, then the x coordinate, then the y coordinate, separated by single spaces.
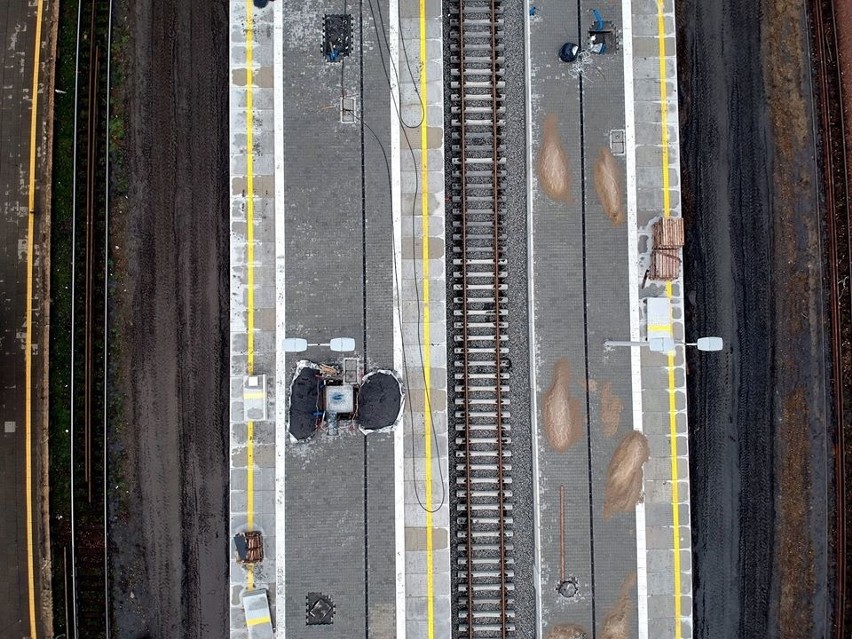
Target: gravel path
pixel 759 441
pixel 169 532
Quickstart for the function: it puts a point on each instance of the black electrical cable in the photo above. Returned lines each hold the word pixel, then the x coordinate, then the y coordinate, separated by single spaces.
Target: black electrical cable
pixel 414 81
pixel 396 71
pixel 427 393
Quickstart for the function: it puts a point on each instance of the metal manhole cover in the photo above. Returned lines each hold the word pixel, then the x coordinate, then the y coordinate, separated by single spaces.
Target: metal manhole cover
pixel 320 610
pixel 568 588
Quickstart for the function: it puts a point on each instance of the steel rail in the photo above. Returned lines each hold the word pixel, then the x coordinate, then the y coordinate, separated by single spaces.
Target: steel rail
pixel 465 323
pixel 498 385
pixel 106 319
pixel 838 226
pixel 73 312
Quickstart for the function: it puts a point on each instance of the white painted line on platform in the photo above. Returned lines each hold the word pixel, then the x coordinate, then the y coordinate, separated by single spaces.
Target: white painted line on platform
pixel 634 310
pixel 280 324
pixel 531 315
pixel 398 362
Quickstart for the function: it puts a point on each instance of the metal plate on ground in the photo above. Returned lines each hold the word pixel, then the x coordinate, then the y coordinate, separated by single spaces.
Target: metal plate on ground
pixel 320 610
pixel 616 141
pixel 254 398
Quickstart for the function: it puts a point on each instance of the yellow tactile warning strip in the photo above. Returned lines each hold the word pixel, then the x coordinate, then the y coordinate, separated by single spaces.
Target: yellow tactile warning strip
pixel 427 369
pixel 661 37
pixel 250 268
pixel 28 344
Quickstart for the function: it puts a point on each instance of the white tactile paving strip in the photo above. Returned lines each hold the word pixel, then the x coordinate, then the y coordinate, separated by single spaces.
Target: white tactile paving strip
pixel 263 298
pixel 657 511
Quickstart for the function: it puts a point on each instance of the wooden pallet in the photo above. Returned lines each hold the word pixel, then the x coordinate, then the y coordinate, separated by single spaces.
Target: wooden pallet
pixel 249 547
pixel 665 251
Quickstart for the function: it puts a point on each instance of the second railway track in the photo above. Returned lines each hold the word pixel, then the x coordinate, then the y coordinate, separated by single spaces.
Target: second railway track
pixel 87 598
pixel 483 554
pixel 837 200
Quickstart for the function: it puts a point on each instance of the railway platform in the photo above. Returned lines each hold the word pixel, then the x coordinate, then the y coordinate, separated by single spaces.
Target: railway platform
pixel 603 169
pixel 357 530
pixel 316 254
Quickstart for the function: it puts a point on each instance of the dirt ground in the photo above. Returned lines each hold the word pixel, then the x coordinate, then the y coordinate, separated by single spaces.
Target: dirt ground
pixel 760 438
pixel 169 457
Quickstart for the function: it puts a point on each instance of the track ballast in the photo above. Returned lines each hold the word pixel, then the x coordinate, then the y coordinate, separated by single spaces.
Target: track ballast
pixel 483 559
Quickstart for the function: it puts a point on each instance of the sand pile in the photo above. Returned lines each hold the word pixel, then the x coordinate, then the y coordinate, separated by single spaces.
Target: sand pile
pixel 624 475
pixel 561 412
pixel 608 185
pixel 552 164
pixel 617 622
pixel 571 631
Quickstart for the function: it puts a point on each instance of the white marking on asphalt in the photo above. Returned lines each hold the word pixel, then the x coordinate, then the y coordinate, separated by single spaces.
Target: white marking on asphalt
pixel 398 363
pixel 280 323
pixel 634 310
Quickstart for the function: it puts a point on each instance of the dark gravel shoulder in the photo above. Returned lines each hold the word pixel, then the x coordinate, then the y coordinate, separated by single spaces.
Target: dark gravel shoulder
pixel 753 275
pixel 169 522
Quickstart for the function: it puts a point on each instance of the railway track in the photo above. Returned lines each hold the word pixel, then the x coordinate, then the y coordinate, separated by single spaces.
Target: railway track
pixel 87 584
pixel 836 186
pixel 483 551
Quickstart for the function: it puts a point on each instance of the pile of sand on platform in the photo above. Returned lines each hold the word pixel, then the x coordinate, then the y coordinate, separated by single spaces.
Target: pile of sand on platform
pixel 624 475
pixel 552 164
pixel 608 185
pixel 617 622
pixel 611 408
pixel 571 631
pixel 561 412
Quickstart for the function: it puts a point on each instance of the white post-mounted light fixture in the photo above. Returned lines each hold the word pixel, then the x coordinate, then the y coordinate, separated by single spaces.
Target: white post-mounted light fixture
pixel 667 344
pixel 337 344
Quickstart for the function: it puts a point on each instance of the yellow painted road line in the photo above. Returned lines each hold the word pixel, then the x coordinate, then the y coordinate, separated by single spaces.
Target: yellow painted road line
pixel 427 367
pixel 28 343
pixel 664 140
pixel 250 266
